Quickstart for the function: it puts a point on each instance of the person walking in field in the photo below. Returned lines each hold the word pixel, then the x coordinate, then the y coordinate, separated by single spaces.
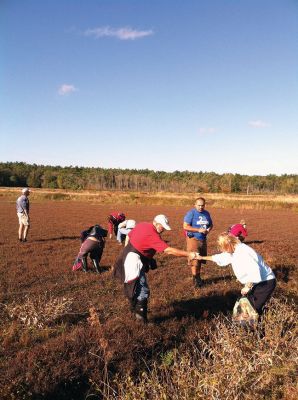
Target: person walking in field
pixel 239 230
pixel 123 230
pixel 23 207
pixel 137 258
pixel 249 268
pixel 93 243
pixel 114 219
pixel 197 225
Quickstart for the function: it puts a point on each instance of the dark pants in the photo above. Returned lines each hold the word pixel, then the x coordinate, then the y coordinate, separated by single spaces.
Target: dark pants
pixel 260 294
pixel 94 249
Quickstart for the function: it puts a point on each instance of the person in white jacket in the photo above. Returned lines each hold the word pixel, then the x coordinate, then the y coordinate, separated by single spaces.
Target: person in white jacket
pixel 249 268
pixel 123 230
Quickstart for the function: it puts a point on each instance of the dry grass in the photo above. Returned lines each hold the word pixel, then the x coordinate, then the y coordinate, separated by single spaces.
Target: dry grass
pixel 228 363
pixel 40 311
pixel 64 335
pixel 220 200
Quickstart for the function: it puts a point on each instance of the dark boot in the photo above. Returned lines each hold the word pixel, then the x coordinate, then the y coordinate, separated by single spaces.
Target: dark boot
pixel 96 264
pixel 197 281
pixel 84 264
pixel 133 303
pixel 141 310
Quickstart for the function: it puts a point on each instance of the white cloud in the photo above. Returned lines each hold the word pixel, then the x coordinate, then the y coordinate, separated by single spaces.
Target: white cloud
pixel 66 89
pixel 259 124
pixel 125 33
pixel 206 131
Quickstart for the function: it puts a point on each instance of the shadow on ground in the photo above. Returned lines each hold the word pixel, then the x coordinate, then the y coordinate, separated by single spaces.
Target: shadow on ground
pixel 57 238
pixel 282 272
pixel 217 279
pixel 196 307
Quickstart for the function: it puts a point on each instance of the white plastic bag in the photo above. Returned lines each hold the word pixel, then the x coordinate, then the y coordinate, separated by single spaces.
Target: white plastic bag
pixel 245 314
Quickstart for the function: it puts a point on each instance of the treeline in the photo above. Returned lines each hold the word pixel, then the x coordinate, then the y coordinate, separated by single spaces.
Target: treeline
pixel 56 177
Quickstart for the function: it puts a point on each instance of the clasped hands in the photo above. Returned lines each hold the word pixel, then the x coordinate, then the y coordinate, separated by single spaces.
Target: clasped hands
pixel 194 256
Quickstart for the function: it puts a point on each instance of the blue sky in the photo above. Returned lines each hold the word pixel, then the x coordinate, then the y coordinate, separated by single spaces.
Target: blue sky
pixel 165 85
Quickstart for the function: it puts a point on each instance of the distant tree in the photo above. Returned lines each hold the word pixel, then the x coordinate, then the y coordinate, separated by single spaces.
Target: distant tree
pixel 34 178
pixel 49 180
pixel 5 174
pixel 236 183
pixel 22 174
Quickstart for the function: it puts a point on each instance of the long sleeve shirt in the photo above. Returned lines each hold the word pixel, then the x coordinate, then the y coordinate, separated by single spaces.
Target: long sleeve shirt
pixel 238 230
pixel 247 264
pixel 114 219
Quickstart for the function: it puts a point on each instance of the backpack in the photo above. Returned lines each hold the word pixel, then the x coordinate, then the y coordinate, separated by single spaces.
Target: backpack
pixel 244 313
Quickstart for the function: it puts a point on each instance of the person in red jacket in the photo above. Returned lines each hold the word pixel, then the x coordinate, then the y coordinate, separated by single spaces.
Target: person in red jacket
pixel 239 230
pixel 114 220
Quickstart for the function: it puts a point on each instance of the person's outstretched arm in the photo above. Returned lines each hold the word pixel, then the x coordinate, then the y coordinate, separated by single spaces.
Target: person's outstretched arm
pixel 181 253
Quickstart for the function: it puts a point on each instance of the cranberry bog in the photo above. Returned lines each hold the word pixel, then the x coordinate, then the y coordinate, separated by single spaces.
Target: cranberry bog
pixel 70 335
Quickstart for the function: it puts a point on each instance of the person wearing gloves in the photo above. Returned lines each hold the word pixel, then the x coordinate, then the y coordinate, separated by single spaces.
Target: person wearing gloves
pixel 249 268
pixel 123 230
pixel 136 259
pixel 23 207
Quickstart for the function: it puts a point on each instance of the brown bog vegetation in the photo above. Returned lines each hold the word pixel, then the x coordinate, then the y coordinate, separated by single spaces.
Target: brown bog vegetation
pixel 69 335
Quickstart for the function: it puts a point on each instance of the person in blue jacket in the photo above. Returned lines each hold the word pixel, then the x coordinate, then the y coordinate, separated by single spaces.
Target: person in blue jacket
pixel 197 225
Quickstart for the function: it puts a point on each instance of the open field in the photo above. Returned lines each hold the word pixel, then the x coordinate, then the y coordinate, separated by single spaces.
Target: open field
pixel 64 332
pixel 219 200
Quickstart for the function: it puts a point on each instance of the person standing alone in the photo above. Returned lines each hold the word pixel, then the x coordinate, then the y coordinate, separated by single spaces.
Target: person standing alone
pixel 197 225
pixel 23 214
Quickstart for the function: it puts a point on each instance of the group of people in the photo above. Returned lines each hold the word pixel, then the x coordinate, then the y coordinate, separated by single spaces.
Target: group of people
pixel 143 240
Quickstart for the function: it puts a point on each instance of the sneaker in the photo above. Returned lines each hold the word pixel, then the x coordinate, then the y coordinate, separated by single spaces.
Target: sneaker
pixel 24 240
pixel 197 281
pixel 20 240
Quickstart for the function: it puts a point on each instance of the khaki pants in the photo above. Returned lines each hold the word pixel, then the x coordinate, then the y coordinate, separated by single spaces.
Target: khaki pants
pixel 199 246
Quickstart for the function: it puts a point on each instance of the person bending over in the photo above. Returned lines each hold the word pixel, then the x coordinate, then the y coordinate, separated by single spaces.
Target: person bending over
pixel 136 259
pixel 93 243
pixel 249 268
pixel 114 220
pixel 123 230
pixel 239 230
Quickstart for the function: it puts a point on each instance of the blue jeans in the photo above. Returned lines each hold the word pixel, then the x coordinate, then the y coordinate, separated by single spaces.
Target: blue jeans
pixel 142 288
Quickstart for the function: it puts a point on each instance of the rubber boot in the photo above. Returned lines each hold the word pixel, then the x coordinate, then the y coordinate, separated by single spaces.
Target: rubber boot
pixel 96 264
pixel 141 310
pixel 84 264
pixel 197 281
pixel 133 303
